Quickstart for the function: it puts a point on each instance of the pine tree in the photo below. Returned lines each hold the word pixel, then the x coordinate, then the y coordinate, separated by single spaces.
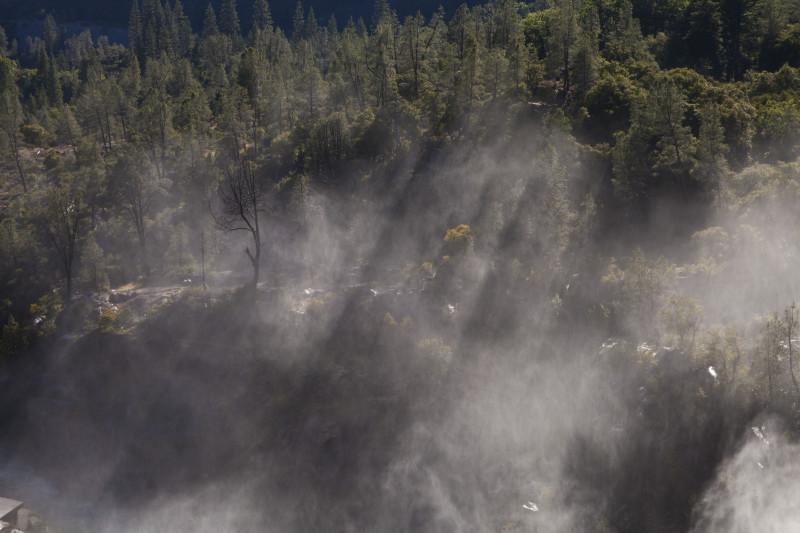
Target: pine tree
pixel 53 84
pixel 381 12
pixel 50 33
pixel 711 148
pixel 584 66
pixel 262 16
pixel 622 39
pixel 210 22
pixel 333 26
pixel 3 42
pixel 184 37
pixel 668 105
pixel 167 34
pixel 564 35
pixel 229 19
pixel 737 17
pixel 703 36
pixel 150 44
pixel 361 28
pixel 298 22
pixel 135 33
pixel 771 22
pixel 312 26
pixel 11 114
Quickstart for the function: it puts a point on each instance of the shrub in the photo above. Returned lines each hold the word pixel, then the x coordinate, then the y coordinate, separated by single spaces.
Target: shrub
pixel 460 233
pixel 13 338
pixel 109 318
pixel 52 160
pixel 34 134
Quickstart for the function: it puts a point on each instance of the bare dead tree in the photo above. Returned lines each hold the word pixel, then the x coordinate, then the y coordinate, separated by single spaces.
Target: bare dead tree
pixel 768 352
pixel 241 200
pixel 790 325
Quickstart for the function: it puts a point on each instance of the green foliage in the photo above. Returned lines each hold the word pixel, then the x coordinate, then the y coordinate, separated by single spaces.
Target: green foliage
pixel 34 134
pixel 681 317
pixel 13 338
pixel 142 136
pixel 637 288
pixel 609 103
pixel 657 153
pixel 575 129
pixel 108 321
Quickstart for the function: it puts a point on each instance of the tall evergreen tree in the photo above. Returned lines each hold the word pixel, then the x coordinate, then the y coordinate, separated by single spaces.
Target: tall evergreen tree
pixel 229 19
pixel 737 17
pixel 622 35
pixel 52 83
pixel 167 34
pixel 703 37
pixel 584 65
pixel 184 36
pixel 262 16
pixel 381 11
pixel 711 148
pixel 311 26
pixel 298 22
pixel 333 26
pixel 50 33
pixel 209 22
pixel 135 32
pixel 563 37
pixel 11 115
pixel 3 42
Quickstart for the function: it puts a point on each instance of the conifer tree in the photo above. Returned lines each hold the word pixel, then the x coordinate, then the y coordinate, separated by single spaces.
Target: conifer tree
pixel 3 42
pixel 298 22
pixel 184 37
pixel 229 19
pixel 135 33
pixel 333 26
pixel 50 33
pixel 311 26
pixel 381 11
pixel 262 16
pixel 209 22
pixel 52 83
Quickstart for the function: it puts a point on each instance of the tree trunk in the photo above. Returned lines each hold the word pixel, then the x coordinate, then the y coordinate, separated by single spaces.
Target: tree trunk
pixel 18 161
pixel 790 326
pixel 143 252
pixel 769 364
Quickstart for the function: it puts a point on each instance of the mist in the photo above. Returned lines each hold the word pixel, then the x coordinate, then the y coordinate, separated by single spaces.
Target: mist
pixel 518 268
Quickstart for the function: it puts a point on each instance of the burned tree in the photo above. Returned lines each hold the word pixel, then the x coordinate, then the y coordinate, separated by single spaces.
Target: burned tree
pixel 790 329
pixel 241 200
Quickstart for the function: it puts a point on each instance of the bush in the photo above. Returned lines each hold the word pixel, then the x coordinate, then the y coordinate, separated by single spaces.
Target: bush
pixel 34 134
pixel 109 318
pixel 52 160
pixel 460 233
pixel 13 338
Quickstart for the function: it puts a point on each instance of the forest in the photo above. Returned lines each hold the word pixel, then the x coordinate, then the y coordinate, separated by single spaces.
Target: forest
pixel 504 267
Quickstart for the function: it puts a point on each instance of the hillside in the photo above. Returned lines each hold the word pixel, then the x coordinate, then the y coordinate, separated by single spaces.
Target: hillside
pixel 513 267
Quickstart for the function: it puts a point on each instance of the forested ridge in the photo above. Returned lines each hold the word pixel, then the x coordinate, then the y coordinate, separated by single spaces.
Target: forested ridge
pixel 514 267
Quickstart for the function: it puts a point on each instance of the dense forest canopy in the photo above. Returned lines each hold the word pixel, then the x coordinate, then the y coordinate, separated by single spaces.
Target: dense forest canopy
pixel 510 266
